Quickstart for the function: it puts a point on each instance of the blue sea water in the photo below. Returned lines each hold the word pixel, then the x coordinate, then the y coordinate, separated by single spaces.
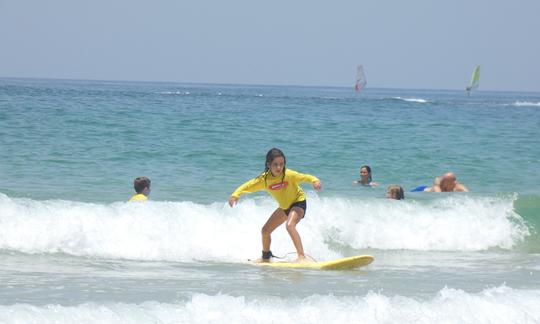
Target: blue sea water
pixel 73 250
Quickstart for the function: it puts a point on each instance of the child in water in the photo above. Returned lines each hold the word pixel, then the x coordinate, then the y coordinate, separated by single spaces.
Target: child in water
pixel 395 192
pixel 142 189
pixel 284 185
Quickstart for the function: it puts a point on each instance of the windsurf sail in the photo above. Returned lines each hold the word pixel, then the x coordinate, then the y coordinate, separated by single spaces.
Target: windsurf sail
pixel 360 78
pixel 475 80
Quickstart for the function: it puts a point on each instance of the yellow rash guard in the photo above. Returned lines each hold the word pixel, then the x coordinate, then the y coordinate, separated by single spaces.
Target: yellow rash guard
pixel 138 197
pixel 286 193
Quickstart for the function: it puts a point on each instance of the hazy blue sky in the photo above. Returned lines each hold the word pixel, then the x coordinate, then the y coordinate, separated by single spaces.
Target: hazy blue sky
pixel 402 44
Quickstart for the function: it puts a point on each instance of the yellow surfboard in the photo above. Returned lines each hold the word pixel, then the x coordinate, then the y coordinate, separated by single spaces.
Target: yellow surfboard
pixel 338 264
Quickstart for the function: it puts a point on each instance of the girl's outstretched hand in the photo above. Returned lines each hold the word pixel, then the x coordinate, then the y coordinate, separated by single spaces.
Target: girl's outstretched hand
pixel 317 185
pixel 232 201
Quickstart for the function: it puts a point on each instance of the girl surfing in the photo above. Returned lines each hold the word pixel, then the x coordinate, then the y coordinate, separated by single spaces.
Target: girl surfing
pixel 284 185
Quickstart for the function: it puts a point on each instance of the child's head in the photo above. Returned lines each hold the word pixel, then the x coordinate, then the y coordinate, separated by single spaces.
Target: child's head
pixel 395 192
pixel 365 174
pixel 142 185
pixel 275 162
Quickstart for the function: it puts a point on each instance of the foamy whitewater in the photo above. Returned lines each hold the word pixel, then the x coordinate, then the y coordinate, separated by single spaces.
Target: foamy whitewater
pixel 73 250
pixel 495 305
pixel 182 231
pixel 526 104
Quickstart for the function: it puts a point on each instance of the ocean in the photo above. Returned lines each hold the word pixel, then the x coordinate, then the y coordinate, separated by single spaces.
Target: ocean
pixel 73 250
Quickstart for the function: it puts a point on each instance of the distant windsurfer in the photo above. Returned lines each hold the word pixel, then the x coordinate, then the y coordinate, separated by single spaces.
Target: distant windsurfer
pixel 360 79
pixel 475 80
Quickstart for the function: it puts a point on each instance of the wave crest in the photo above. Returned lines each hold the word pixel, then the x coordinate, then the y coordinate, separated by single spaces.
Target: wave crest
pixel 494 305
pixel 417 100
pixel 526 104
pixel 186 231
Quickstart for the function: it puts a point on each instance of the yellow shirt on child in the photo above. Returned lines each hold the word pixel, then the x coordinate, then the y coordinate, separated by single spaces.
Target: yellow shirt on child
pixel 138 197
pixel 286 193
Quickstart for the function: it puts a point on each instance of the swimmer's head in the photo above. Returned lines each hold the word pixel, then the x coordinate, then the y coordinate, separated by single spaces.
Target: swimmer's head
pixel 395 192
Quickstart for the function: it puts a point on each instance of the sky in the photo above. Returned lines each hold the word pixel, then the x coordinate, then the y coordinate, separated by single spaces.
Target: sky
pixel 415 44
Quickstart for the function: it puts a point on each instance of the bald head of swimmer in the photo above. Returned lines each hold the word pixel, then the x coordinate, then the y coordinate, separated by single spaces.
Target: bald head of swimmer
pixel 448 182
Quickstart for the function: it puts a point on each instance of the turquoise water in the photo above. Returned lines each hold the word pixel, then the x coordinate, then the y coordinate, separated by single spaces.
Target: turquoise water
pixel 70 243
pixel 86 141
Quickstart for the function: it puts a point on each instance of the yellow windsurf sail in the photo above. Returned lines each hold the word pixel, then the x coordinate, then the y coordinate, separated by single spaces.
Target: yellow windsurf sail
pixel 475 79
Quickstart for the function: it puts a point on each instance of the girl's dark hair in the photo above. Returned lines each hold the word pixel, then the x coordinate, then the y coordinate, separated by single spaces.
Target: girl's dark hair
pixel 270 156
pixel 368 170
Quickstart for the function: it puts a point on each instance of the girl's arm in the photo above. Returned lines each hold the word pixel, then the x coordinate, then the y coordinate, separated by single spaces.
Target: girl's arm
pixel 304 177
pixel 252 185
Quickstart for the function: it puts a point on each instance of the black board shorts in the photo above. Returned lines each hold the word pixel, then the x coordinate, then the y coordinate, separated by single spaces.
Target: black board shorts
pixel 300 204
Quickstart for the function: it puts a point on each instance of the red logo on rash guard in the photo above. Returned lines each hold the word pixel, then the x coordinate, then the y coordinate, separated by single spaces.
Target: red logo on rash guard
pixel 279 185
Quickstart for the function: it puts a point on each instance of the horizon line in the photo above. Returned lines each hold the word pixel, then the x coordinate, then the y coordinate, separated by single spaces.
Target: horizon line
pixel 255 84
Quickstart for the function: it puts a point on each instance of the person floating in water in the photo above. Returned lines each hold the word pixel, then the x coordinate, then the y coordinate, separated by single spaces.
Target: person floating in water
pixel 449 183
pixel 395 192
pixel 436 183
pixel 365 177
pixel 142 189
pixel 284 185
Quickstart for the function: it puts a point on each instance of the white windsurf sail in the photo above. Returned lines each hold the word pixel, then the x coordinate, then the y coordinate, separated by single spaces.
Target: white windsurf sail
pixel 360 78
pixel 475 79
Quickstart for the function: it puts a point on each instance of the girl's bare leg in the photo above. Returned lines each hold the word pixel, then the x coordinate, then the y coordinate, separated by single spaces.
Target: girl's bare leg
pixel 277 218
pixel 295 215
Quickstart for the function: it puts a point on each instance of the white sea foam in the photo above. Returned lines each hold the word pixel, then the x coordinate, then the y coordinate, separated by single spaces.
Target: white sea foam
pixel 494 305
pixel 526 104
pixel 451 223
pixel 170 92
pixel 174 92
pixel 186 231
pixel 419 100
